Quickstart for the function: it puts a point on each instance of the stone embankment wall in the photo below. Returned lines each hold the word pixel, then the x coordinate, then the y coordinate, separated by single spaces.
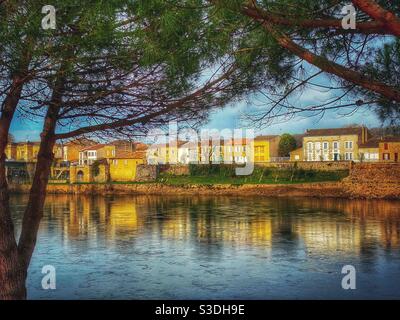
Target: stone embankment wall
pixel 146 173
pixel 295 190
pixel 373 180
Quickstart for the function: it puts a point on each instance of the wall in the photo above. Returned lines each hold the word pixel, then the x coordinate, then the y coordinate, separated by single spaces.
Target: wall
pixel 297 153
pixel 176 170
pixel 123 169
pixel 262 151
pixel 373 180
pixel 146 173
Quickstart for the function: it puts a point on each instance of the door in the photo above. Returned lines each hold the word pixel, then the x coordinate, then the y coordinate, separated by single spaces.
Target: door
pixel 396 157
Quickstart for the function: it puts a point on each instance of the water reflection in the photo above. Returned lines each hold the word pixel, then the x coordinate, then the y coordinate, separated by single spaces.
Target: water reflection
pixel 297 237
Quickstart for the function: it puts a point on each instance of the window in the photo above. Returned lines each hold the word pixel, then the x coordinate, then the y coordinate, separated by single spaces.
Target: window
pixel 325 146
pixel 349 156
pixel 310 147
pixel 386 146
pixel 335 145
pixel 386 156
pixel 349 144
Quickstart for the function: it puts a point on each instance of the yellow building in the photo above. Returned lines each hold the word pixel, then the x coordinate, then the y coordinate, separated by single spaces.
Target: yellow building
pixel 71 149
pixel 334 144
pixel 89 155
pixel 123 165
pixel 27 151
pixel 11 151
pixel 266 148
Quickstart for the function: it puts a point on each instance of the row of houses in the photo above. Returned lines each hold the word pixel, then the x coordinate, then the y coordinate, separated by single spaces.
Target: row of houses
pixel 347 144
pixel 339 144
pixel 264 149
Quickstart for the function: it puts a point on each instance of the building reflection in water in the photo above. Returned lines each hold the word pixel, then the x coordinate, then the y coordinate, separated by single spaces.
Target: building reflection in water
pixel 319 225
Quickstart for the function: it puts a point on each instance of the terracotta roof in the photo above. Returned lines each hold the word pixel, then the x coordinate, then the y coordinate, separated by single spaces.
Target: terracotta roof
pixel 93 148
pixel 333 132
pixel 266 137
pixel 130 155
pixel 165 145
pixel 374 142
pixel 84 142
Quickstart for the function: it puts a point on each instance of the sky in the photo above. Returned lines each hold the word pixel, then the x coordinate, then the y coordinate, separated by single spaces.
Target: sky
pixel 231 117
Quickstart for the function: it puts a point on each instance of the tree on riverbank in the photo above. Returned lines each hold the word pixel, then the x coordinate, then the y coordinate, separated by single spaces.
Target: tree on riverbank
pixel 287 143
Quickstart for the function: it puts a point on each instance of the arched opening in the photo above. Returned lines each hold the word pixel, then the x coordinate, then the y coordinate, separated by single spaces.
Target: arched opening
pixel 79 176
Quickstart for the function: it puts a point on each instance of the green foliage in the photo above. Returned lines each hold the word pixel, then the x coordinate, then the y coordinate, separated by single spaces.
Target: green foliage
pixel 264 175
pixel 287 144
pixel 220 170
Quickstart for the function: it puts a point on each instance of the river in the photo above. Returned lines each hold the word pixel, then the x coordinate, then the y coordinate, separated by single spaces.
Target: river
pixel 150 247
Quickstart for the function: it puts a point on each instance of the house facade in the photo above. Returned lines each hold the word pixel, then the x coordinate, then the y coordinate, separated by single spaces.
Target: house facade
pixel 389 149
pixel 340 144
pixel 124 164
pixel 266 148
pixel 89 155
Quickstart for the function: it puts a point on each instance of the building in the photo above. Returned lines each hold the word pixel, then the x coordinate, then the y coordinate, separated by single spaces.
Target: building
pixel 11 151
pixel 71 149
pixel 334 144
pixel 389 149
pixel 163 153
pixel 28 151
pixel 89 155
pixel 297 154
pixel 266 148
pixel 124 164
pixel 369 151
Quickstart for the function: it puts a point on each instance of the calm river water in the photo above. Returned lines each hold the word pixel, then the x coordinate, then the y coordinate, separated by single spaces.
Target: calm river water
pixel 149 247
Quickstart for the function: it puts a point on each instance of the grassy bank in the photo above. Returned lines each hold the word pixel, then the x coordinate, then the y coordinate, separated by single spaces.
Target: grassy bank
pixel 225 174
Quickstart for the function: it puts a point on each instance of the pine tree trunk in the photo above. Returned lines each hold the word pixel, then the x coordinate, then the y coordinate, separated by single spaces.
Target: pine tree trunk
pixel 12 277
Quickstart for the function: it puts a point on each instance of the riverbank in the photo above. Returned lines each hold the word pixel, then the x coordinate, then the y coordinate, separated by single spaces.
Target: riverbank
pixel 365 181
pixel 317 190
